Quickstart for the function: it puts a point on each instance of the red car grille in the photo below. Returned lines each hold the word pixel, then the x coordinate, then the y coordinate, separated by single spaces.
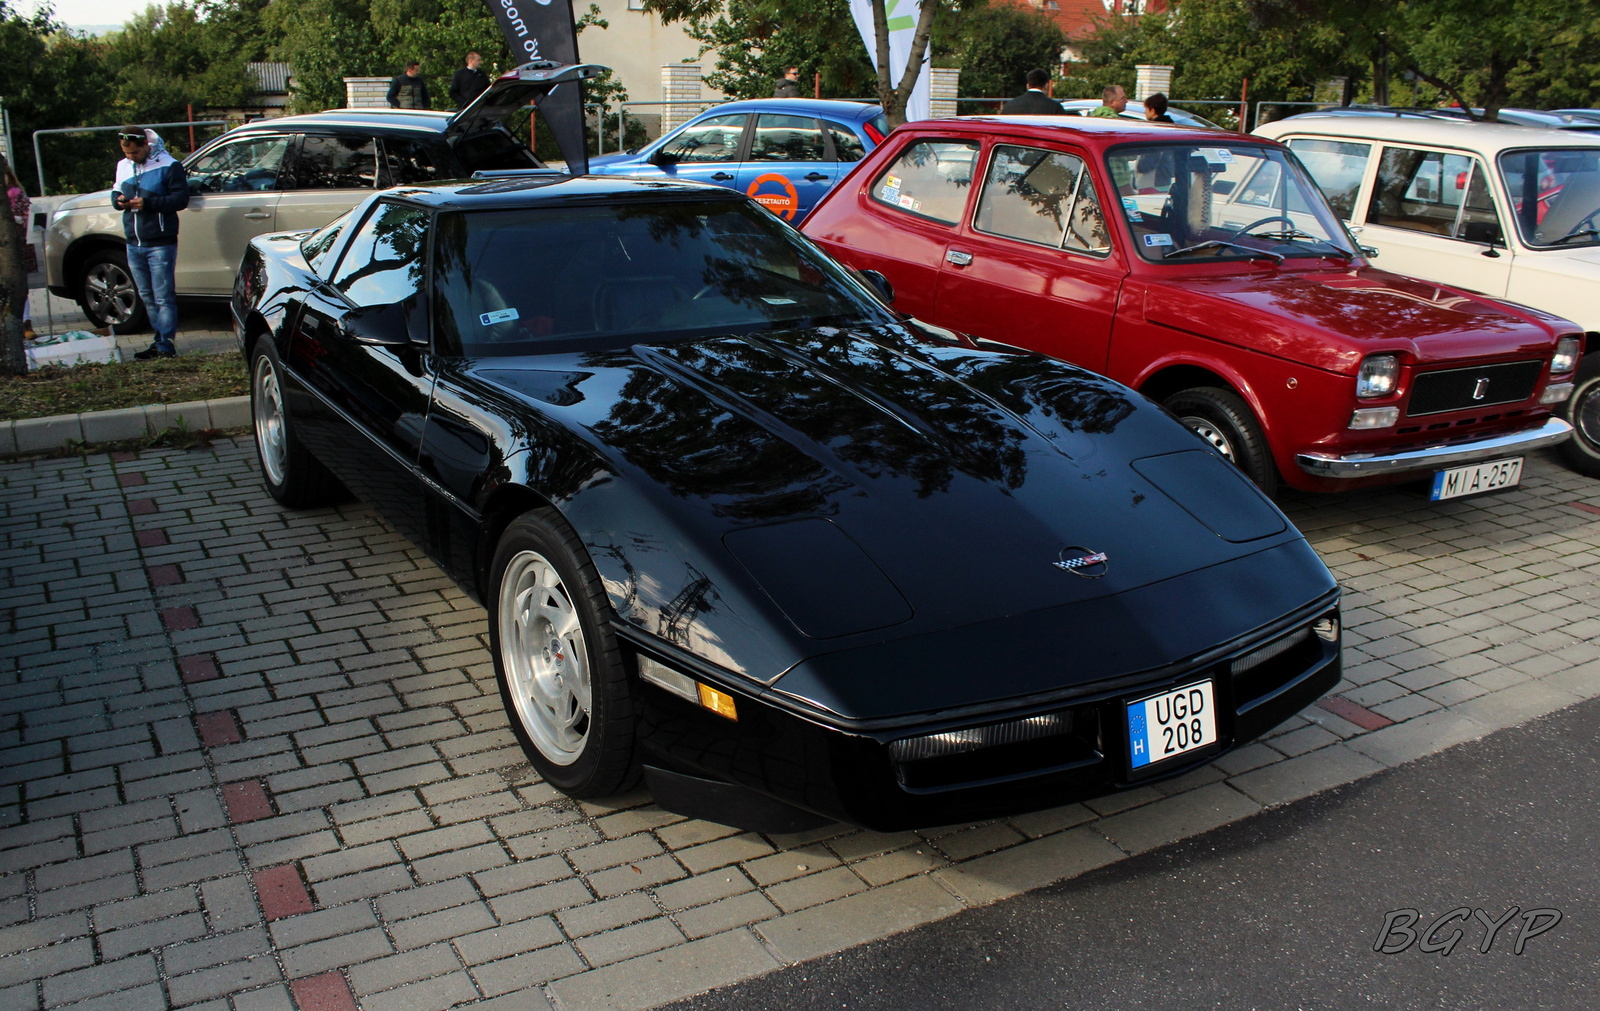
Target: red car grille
pixel 1466 389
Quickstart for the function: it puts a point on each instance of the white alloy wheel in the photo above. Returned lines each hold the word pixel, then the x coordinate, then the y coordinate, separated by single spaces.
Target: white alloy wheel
pixel 1206 429
pixel 542 649
pixel 267 408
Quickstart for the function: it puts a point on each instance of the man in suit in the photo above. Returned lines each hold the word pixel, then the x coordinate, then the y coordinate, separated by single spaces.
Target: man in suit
pixel 469 82
pixel 1034 102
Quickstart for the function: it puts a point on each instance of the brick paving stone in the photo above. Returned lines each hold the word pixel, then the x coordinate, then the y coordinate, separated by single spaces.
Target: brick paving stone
pixel 246 801
pixel 364 885
pixel 282 892
pixel 429 995
pixel 407 967
pixel 539 901
pixel 320 956
pixel 531 969
pixel 324 992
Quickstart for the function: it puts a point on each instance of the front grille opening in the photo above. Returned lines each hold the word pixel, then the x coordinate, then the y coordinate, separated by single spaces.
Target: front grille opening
pixel 1464 389
pixel 1263 671
pixel 1031 746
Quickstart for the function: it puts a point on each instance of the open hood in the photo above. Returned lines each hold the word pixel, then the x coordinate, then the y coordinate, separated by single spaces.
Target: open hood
pixel 527 85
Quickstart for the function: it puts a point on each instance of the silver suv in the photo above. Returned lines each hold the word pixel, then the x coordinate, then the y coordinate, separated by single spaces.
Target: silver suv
pixel 279 175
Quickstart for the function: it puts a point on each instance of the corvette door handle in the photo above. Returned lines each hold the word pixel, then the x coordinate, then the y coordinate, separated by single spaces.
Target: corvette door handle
pixel 815 177
pixel 720 176
pixel 257 214
pixel 957 257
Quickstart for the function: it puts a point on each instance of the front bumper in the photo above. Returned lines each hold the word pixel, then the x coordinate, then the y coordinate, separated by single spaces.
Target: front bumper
pixel 1357 465
pixel 853 773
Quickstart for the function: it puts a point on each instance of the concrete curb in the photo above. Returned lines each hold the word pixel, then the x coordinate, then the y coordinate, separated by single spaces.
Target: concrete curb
pixel 43 435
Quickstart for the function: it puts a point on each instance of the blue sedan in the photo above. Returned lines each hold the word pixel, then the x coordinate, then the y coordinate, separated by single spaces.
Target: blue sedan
pixel 783 152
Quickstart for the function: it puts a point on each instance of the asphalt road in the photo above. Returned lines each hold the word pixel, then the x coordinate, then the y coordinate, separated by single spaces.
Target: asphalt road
pixel 1282 911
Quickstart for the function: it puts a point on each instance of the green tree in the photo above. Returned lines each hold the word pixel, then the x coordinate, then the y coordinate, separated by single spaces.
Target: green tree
pixel 995 46
pixel 173 57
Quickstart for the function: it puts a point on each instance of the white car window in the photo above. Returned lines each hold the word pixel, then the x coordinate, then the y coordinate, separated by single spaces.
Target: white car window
pixel 243 166
pixel 1565 211
pixel 1338 168
pixel 1426 191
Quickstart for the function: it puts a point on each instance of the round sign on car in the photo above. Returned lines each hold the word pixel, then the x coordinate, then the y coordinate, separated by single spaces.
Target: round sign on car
pixel 785 205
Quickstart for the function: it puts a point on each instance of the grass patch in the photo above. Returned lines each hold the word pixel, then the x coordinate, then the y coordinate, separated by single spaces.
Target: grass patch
pixel 60 389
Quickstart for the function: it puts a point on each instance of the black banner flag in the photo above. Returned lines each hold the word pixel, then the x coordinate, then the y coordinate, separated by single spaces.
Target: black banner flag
pixel 545 30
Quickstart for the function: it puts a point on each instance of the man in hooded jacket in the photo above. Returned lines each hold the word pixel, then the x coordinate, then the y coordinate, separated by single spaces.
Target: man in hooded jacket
pixel 151 188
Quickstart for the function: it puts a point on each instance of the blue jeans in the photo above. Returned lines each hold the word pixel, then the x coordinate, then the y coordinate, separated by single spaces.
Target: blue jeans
pixel 151 267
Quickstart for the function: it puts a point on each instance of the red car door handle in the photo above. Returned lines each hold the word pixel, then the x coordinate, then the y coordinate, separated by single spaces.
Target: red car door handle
pixel 719 176
pixel 958 258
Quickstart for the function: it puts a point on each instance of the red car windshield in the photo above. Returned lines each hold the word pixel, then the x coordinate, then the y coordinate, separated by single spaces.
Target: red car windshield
pixel 1224 201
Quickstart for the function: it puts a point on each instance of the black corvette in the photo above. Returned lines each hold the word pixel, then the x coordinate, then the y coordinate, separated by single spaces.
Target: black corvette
pixel 743 528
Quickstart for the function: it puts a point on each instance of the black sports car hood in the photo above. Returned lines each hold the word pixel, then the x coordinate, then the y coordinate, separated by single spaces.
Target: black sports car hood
pixel 807 492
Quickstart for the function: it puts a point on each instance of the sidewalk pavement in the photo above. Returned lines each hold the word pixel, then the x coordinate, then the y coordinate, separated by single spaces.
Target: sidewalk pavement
pixel 254 759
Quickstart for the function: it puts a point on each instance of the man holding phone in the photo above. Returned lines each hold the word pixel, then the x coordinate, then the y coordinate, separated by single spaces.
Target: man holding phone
pixel 151 188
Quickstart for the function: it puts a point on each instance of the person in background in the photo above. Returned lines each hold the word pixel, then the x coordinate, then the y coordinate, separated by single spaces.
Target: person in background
pixel 150 189
pixel 787 86
pixel 469 82
pixel 1034 101
pixel 1155 108
pixel 408 90
pixel 1112 101
pixel 20 208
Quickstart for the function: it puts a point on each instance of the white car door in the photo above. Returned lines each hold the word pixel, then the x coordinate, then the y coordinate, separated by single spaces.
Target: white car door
pixel 1432 214
pixel 233 197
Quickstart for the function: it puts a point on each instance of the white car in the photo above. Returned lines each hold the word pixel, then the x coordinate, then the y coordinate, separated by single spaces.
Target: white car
pixel 1445 200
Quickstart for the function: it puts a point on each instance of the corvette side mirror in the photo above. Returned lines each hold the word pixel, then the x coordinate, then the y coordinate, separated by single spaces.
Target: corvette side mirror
pixel 389 326
pixel 880 284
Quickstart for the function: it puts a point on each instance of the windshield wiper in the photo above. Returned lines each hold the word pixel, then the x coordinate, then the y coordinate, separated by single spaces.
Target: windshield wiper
pixel 1292 234
pixel 1576 235
pixel 1218 244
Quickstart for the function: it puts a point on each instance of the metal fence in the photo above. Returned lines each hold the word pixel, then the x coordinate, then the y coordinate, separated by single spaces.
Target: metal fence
pixel 38 156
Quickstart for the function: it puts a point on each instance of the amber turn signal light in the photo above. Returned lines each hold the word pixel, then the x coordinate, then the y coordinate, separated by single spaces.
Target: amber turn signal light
pixel 720 703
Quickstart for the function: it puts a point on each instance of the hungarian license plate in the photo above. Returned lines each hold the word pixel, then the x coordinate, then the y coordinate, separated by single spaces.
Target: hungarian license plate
pixel 1476 478
pixel 1167 725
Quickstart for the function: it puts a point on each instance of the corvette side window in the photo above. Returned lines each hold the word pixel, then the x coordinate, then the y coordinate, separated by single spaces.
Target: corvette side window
pixel 318 246
pixel 383 263
pixel 931 179
pixel 1045 197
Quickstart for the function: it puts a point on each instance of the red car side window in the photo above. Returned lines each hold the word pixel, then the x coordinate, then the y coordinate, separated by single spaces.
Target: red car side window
pixel 931 179
pixel 1044 197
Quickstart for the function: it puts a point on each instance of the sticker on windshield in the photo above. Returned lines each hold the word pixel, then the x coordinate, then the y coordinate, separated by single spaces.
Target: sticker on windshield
pixel 499 316
pixel 1157 239
pixel 890 194
pixel 907 202
pixel 891 182
pixel 1132 207
pixel 1217 155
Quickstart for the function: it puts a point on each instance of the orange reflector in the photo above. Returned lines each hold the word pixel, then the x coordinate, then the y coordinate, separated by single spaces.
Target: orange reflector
pixel 718 702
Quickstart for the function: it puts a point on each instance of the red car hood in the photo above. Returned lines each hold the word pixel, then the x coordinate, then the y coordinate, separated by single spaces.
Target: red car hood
pixel 1333 319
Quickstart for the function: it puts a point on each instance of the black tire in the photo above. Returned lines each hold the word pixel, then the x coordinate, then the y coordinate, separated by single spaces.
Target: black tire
pixel 107 294
pixel 583 752
pixel 1225 422
pixel 1582 409
pixel 292 475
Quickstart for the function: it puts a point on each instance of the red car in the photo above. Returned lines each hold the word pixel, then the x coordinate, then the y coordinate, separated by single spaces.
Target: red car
pixel 1207 271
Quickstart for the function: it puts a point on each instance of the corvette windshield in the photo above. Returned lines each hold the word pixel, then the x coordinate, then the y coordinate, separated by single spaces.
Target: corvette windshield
pixel 1244 201
pixel 1565 212
pixel 514 282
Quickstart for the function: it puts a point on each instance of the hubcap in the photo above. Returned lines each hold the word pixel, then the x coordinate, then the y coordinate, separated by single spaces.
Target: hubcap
pixel 109 293
pixel 267 408
pixel 1586 414
pixel 542 650
pixel 1209 432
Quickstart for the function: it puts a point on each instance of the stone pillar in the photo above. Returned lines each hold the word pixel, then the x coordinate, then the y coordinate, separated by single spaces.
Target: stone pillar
pixel 680 82
pixel 1153 77
pixel 943 88
pixel 366 92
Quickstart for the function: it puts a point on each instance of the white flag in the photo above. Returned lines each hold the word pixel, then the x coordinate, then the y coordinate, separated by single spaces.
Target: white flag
pixel 902 15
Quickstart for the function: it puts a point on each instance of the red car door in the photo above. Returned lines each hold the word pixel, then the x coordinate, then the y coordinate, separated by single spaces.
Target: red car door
pixel 906 217
pixel 1034 264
